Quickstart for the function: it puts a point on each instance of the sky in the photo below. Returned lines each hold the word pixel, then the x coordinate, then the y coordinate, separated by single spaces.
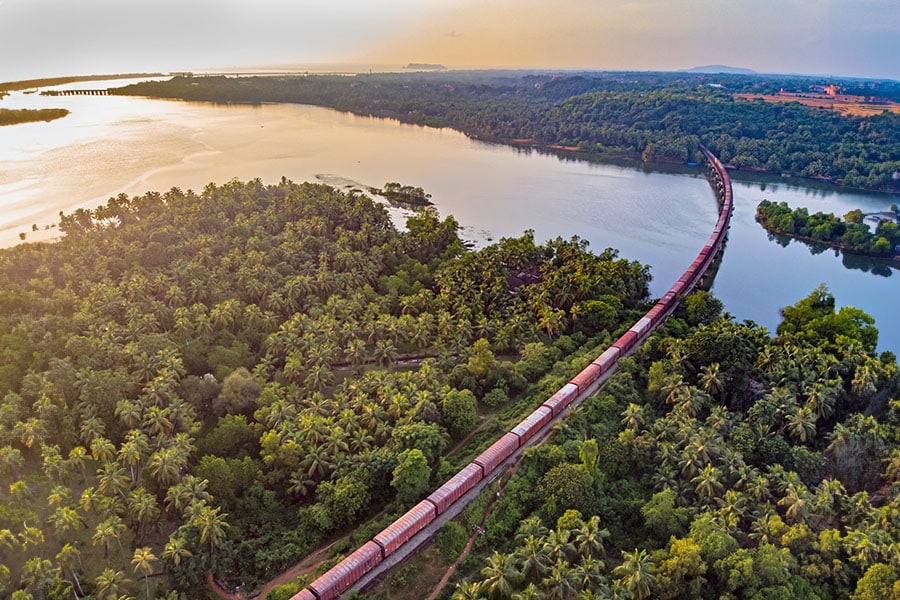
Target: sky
pixel 43 38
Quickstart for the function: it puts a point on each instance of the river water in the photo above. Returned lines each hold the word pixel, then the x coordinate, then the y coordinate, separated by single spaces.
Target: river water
pixel 111 144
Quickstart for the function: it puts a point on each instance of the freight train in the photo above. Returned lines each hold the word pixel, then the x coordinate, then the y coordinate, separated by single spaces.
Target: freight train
pixel 346 573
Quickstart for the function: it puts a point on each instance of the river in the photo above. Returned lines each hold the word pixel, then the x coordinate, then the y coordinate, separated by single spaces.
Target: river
pixel 111 144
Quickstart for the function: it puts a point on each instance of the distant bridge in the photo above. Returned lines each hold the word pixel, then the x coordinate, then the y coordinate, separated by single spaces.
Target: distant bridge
pixel 76 93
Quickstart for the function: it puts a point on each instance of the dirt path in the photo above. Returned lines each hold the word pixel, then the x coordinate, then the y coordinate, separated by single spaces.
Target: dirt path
pixel 443 582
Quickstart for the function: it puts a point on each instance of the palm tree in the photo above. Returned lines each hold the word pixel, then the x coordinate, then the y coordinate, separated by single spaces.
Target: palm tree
pixel 529 593
pixel 799 503
pixel 142 561
pixel 710 381
pixel 467 590
pixel 112 480
pixel 66 519
pixel 533 557
pixel 165 465
pixel 707 482
pixel 589 574
pixel 559 545
pixel 175 550
pixel 142 509
pixel 559 584
pixel 39 576
pixel 102 449
pixel 67 558
pixel 111 528
pixel 500 576
pixel 110 584
pixel 589 537
pixel 212 526
pixel 636 573
pixel 633 416
pixel 801 424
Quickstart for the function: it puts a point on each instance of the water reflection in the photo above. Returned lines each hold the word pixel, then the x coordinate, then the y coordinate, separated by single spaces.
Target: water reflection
pixel 867 264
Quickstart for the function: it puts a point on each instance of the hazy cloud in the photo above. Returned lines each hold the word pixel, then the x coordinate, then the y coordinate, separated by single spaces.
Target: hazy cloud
pixel 53 37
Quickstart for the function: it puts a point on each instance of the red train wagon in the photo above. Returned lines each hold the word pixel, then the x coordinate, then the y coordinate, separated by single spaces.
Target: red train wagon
pixel 626 342
pixel 455 487
pixel 562 398
pixel 499 451
pixel 304 594
pixel 532 424
pixel 642 326
pixel 656 312
pixel 587 376
pixel 341 576
pixel 606 360
pixel 398 533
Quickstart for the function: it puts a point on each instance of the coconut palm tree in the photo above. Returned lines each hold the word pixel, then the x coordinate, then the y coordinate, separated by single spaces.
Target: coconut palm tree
pixel 801 424
pixel 65 520
pixel 110 584
pixel 636 573
pixel 500 576
pixel 589 537
pixel 710 380
pixel 467 590
pixel 707 484
pixel 142 509
pixel 67 559
pixel 142 561
pixel 532 555
pixel 560 582
pixel 212 526
pixel 112 480
pixel 175 550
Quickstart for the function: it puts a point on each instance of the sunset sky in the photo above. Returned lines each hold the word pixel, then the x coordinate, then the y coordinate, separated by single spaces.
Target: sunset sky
pixel 66 37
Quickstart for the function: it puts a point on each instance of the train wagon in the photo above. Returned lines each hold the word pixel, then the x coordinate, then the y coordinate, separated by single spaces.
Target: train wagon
pixel 626 342
pixel 587 376
pixel 562 398
pixel 642 326
pixel 532 424
pixel 304 594
pixel 655 313
pixel 606 360
pixel 341 576
pixel 499 451
pixel 458 485
pixel 398 532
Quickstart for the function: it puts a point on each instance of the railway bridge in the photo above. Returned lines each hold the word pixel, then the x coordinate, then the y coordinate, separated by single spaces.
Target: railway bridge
pixel 76 93
pixel 402 537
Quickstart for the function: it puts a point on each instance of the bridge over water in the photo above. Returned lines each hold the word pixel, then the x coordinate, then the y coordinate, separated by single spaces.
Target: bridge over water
pixel 76 93
pixel 405 535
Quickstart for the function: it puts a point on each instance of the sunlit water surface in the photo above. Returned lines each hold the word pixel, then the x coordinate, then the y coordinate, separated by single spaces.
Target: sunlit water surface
pixel 110 144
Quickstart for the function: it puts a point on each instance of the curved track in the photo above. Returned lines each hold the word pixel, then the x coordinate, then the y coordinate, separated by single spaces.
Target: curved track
pixel 405 534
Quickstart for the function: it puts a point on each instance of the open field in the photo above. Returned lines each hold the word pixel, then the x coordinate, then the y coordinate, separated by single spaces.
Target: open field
pixel 844 104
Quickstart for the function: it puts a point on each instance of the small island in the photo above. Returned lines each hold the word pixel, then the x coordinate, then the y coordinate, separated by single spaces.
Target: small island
pixel 16 117
pixel 403 194
pixel 851 234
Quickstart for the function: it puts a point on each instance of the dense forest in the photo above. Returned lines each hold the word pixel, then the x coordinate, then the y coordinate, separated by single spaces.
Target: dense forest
pixel 851 233
pixel 650 116
pixel 719 462
pixel 218 382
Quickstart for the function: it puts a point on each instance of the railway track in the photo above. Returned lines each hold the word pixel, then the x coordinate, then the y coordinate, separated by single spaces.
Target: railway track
pixel 402 537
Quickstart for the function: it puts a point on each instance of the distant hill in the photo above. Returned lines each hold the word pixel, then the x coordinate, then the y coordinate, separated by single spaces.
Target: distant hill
pixel 721 69
pixel 426 67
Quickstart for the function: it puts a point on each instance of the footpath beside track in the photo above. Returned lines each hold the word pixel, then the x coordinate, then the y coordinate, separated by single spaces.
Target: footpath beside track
pixel 400 539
